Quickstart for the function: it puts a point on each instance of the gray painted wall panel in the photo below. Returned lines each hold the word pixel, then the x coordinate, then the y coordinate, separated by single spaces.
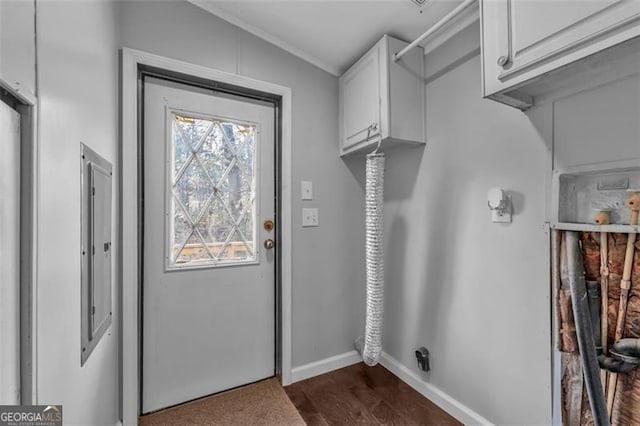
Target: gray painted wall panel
pixel 78 83
pixel 598 125
pixel 473 292
pixel 17 46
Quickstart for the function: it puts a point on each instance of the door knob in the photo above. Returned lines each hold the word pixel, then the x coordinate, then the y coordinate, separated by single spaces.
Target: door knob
pixel 269 244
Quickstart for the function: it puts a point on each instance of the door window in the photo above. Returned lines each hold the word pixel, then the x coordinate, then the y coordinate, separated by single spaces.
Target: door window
pixel 212 187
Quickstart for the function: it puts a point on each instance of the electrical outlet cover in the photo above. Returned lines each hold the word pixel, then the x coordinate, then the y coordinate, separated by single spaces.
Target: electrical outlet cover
pixel 309 217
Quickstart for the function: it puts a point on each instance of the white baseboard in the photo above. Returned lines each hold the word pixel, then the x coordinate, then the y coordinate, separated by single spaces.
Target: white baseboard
pixel 324 366
pixel 435 395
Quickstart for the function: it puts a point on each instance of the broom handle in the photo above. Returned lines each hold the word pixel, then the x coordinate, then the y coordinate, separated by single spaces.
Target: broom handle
pixel 602 218
pixel 604 287
pixel 604 295
pixel 625 285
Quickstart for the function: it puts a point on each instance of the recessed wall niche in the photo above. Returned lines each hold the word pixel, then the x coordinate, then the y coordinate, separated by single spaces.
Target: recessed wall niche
pixel 580 193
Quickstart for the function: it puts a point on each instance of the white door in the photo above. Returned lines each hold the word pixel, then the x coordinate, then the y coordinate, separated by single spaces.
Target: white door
pixel 208 284
pixel 9 255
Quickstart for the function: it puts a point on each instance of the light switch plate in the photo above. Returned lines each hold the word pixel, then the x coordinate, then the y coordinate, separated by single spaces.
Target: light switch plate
pixel 307 189
pixel 309 217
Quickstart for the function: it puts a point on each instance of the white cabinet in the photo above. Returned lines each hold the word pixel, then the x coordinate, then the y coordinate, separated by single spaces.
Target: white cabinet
pixel 382 100
pixel 531 48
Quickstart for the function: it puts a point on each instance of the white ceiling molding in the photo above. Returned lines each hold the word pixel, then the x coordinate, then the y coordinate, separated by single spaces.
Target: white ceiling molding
pixel 462 21
pixel 219 12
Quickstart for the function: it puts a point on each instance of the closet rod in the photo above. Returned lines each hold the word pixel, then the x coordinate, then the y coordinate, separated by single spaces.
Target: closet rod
pixel 441 23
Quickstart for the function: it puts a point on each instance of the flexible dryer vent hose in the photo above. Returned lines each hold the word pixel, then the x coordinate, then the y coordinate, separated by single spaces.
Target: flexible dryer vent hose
pixel 371 347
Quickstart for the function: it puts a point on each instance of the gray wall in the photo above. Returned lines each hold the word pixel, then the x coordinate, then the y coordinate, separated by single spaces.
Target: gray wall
pixel 327 288
pixel 476 294
pixel 78 94
pixel 597 126
pixel 17 44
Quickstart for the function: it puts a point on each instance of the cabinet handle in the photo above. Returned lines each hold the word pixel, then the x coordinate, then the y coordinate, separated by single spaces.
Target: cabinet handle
pixel 503 60
pixel 372 128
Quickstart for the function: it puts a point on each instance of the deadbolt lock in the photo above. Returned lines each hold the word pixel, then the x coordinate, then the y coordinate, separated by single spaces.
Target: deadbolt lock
pixel 268 225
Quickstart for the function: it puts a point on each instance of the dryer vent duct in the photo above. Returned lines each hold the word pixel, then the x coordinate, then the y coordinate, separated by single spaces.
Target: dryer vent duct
pixel 370 346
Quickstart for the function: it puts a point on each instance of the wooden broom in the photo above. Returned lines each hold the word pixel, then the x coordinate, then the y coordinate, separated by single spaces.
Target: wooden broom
pixel 634 204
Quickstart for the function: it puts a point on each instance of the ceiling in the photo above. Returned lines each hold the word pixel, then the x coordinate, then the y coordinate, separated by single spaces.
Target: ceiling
pixel 331 34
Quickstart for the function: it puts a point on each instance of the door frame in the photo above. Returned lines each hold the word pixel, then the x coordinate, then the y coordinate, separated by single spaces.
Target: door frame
pixel 27 106
pixel 133 62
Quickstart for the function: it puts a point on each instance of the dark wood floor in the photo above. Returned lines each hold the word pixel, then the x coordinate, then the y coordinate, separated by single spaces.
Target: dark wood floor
pixel 363 395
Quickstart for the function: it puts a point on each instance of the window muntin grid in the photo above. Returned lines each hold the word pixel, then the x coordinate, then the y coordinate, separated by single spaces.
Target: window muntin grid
pixel 211 191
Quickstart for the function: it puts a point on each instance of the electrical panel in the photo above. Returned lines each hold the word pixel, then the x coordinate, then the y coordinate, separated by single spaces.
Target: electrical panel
pixel 96 311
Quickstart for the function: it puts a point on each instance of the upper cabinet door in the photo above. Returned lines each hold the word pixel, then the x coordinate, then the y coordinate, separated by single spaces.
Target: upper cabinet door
pixel 523 39
pixel 360 100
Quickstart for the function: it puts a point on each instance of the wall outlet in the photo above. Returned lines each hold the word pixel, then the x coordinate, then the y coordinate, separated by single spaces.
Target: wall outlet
pixel 309 217
pixel 500 218
pixel 504 215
